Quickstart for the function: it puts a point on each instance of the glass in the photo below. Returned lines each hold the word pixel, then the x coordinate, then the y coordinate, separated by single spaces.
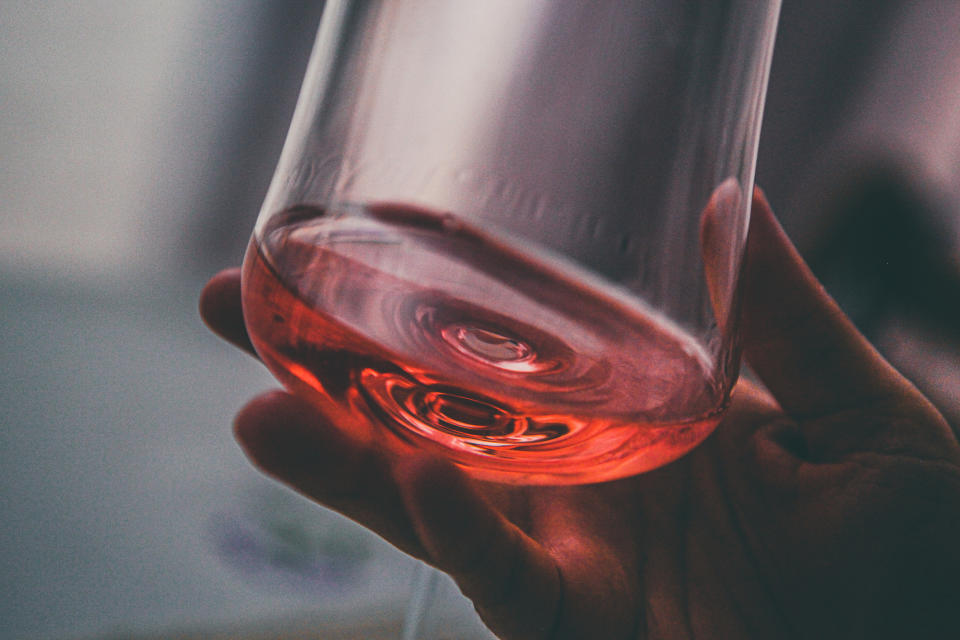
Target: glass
pixel 509 231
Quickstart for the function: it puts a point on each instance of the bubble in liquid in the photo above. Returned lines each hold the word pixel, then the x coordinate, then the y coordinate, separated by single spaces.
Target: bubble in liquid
pixel 495 348
pixel 475 423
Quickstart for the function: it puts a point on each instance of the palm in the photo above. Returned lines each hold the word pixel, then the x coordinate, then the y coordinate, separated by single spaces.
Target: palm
pixel 831 511
pixel 735 540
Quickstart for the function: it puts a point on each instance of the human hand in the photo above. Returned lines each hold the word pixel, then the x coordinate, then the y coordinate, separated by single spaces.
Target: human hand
pixel 826 508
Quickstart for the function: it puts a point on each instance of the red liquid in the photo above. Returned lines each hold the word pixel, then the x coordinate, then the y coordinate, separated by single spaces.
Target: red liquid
pixel 402 323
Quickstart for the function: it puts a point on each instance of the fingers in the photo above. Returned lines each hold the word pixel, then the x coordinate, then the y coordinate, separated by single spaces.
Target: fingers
pixel 289 440
pixel 795 337
pixel 221 310
pixel 512 580
pixel 424 506
pixel 720 245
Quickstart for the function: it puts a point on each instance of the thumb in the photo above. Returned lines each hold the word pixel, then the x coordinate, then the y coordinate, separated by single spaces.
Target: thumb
pixel 820 369
pixel 796 338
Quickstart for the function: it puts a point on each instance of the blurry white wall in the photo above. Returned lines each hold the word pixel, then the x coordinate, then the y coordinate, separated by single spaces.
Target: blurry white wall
pixel 119 119
pixel 91 93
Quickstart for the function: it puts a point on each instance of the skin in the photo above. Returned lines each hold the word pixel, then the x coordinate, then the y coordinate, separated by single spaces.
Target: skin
pixel 825 505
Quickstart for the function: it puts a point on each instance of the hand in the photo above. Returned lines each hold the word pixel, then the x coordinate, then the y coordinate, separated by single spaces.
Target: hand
pixel 826 508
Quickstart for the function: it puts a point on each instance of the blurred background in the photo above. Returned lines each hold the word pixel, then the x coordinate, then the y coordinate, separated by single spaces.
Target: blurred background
pixel 137 140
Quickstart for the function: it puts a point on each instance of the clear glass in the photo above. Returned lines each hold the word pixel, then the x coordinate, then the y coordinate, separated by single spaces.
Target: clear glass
pixel 509 231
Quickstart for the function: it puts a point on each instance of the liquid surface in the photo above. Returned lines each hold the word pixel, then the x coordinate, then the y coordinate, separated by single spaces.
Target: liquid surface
pixel 401 323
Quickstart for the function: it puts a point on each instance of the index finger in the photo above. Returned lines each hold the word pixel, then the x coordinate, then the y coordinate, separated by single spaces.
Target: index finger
pixel 222 311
